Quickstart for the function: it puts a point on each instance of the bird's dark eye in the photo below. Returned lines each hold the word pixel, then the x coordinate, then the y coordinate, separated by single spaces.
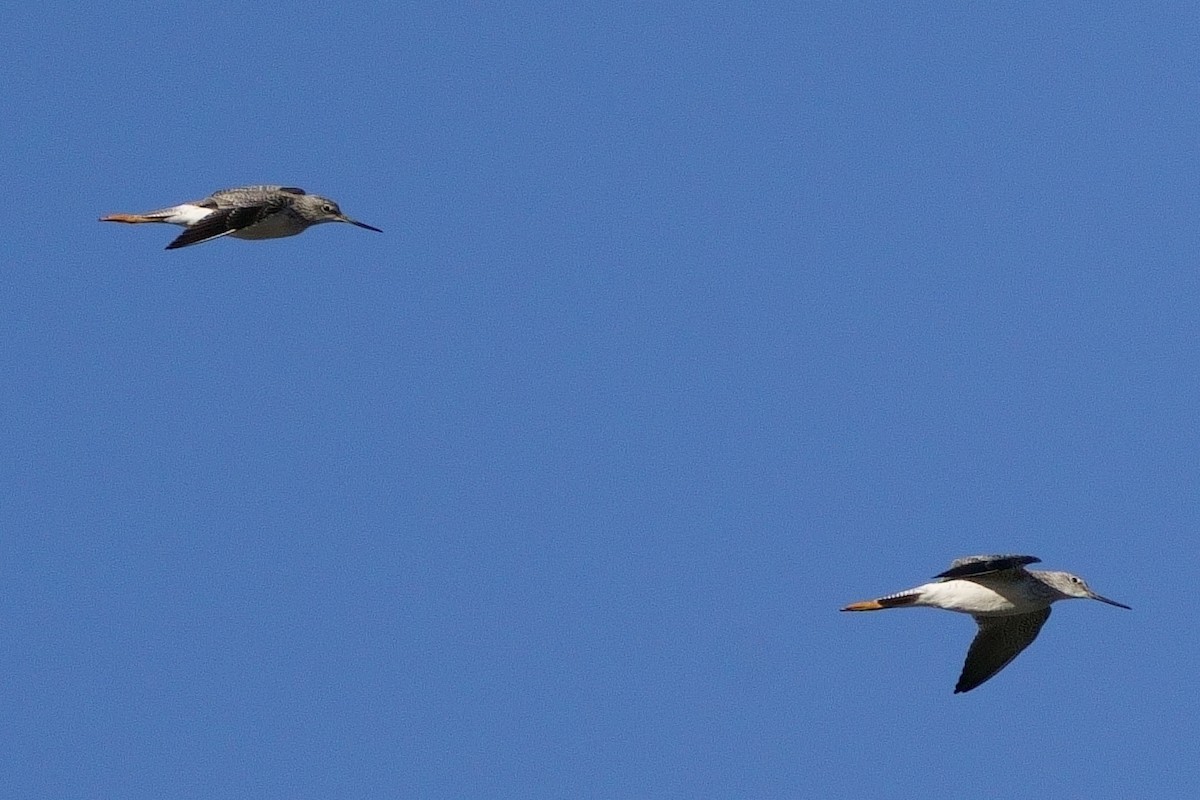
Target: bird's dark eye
pixel 328 208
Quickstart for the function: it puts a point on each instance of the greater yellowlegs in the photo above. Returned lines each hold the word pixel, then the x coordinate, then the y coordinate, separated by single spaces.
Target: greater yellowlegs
pixel 1009 603
pixel 250 212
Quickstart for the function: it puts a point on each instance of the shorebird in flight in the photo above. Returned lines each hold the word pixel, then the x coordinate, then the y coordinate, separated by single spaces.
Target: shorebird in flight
pixel 250 212
pixel 1009 603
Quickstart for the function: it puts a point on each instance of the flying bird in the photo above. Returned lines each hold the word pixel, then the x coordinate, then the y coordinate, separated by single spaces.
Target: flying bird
pixel 249 212
pixel 1009 603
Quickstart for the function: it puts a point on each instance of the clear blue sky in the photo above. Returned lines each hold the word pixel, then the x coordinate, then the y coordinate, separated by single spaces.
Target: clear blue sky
pixel 689 324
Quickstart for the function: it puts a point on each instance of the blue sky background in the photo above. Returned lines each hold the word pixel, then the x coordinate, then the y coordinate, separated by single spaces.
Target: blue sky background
pixel 690 324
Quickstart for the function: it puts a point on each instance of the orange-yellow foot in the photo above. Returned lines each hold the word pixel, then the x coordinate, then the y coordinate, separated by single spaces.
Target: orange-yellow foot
pixel 130 218
pixel 865 605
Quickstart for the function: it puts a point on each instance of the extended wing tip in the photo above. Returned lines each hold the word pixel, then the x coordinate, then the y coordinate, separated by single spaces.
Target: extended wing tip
pixel 966 684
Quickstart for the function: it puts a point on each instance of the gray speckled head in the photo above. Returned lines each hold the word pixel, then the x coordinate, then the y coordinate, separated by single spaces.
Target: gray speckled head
pixel 1071 587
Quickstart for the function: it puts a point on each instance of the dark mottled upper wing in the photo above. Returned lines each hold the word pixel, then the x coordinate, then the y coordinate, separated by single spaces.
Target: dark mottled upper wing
pixel 981 565
pixel 223 222
pixel 249 195
pixel 999 641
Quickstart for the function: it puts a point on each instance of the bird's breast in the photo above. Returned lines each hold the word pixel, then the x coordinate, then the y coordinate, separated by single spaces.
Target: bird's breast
pixel 980 598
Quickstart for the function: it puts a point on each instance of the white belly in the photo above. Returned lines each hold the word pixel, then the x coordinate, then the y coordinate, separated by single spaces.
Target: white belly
pixel 999 598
